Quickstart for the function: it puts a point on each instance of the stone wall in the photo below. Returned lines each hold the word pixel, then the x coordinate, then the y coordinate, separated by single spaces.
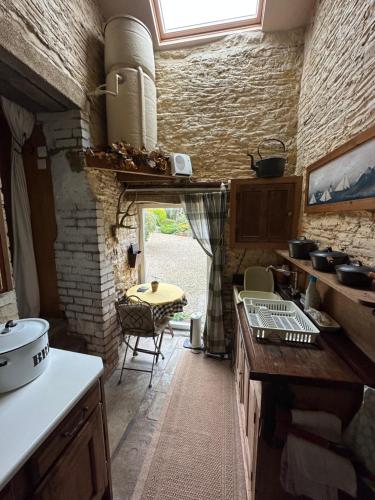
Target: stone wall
pixel 337 101
pixel 217 101
pixel 108 190
pixel 62 42
pixel 8 306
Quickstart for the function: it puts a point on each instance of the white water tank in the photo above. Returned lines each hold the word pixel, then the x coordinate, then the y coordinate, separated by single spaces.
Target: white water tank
pixel 128 43
pixel 131 115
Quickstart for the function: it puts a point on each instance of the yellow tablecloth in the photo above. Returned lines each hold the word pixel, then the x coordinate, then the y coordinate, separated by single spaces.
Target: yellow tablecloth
pixel 165 294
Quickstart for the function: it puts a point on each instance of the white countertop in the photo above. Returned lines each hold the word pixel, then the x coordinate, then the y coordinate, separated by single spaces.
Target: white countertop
pixel 29 414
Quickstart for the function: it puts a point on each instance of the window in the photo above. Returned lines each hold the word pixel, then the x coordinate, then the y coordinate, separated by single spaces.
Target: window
pixel 186 18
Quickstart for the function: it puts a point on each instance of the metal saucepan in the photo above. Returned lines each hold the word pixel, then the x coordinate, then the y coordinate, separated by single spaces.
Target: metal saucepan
pixel 355 274
pixel 301 248
pixel 326 259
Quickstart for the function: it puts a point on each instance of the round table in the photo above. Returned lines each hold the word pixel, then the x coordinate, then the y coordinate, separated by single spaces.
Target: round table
pixel 167 300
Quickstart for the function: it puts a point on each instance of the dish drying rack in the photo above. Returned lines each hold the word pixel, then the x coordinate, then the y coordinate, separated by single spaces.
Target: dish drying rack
pixel 280 321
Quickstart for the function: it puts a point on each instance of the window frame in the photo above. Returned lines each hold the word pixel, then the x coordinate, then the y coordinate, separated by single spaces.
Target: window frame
pixel 203 30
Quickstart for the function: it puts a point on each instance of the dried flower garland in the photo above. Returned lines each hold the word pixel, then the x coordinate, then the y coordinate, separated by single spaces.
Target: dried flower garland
pixel 129 157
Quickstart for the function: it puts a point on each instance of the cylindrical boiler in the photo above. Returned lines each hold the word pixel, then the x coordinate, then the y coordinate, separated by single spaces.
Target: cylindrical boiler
pixel 128 43
pixel 131 115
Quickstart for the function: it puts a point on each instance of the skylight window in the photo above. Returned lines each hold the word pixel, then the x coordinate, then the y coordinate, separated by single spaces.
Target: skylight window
pixel 184 18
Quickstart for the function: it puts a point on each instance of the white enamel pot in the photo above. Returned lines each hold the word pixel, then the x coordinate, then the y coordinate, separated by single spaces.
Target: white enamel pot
pixel 24 352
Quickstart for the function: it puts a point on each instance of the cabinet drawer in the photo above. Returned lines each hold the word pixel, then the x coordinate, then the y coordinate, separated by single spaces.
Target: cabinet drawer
pixel 50 450
pixel 80 473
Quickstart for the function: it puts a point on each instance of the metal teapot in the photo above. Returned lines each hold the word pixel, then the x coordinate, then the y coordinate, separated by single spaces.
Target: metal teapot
pixel 273 166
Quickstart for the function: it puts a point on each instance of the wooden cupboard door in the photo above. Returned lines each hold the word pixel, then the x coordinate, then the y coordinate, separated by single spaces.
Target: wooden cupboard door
pixel 264 213
pixel 43 221
pixel 253 427
pixel 246 392
pixel 280 200
pixel 245 414
pixel 251 213
pixel 7 493
pixel 81 472
pixel 240 374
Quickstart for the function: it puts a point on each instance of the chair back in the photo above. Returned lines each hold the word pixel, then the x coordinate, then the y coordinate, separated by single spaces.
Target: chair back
pixel 259 279
pixel 136 319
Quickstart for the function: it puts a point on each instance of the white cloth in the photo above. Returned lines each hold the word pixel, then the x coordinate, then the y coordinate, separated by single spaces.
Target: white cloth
pixel 310 470
pixel 321 423
pixel 360 433
pixel 21 123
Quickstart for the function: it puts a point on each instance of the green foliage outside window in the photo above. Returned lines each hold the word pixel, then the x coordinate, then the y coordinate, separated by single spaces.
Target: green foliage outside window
pixel 166 221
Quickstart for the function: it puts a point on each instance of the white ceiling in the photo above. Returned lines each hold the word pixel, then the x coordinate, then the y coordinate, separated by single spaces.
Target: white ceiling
pixel 279 15
pixel 282 15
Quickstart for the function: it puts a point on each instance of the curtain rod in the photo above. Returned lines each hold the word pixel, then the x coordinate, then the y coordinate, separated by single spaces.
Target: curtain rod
pixel 174 191
pixel 201 188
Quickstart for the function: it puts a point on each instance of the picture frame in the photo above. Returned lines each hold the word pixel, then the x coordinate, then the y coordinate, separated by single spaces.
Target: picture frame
pixel 344 179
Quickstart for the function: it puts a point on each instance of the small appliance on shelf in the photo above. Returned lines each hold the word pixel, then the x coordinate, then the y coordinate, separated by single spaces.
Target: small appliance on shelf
pixel 181 164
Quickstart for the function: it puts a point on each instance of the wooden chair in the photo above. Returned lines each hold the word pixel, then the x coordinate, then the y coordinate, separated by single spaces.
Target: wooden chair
pixel 137 320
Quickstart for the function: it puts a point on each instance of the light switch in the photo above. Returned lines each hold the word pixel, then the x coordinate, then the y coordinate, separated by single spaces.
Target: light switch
pixel 42 152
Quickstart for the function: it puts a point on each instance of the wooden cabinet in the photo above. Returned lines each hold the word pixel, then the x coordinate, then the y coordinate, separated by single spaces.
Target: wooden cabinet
pixel 73 462
pixel 81 468
pixel 249 409
pixel 257 393
pixel 264 213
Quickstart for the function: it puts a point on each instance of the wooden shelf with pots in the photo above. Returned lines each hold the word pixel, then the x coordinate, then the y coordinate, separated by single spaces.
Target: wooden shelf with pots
pixel 359 296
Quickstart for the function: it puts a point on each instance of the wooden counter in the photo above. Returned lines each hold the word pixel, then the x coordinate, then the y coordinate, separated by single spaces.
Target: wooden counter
pixel 272 378
pixel 269 362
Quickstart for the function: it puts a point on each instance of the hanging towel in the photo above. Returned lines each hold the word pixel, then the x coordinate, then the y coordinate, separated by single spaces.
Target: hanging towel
pixel 310 470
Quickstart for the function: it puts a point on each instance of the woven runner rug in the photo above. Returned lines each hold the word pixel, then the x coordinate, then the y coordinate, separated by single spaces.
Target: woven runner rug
pixel 196 452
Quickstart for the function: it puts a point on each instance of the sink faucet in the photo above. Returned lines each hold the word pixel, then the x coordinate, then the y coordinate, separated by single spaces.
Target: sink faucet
pixel 288 272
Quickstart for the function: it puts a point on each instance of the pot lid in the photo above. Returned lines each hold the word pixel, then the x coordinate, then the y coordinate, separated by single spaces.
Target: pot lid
pixel 354 268
pixel 24 332
pixel 301 241
pixel 325 252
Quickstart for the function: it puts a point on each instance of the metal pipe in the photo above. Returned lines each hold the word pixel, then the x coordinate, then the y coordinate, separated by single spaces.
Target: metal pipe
pixel 142 105
pixel 173 191
pixel 102 89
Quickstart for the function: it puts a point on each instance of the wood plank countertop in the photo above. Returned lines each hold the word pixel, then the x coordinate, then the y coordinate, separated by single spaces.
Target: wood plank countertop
pixel 282 363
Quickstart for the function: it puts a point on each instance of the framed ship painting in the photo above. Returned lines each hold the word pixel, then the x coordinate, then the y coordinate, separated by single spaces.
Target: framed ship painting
pixel 345 178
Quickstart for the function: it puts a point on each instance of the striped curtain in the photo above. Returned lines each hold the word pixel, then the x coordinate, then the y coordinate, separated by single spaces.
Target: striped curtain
pixel 206 214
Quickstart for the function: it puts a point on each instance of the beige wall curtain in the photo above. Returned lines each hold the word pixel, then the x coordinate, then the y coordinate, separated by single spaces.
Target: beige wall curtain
pixel 21 123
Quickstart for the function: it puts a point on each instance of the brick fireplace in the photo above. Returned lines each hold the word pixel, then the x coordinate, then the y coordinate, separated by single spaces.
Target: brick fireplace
pixel 85 276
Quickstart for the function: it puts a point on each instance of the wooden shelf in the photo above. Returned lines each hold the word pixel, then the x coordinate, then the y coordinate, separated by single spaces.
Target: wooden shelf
pixel 360 296
pixel 125 174
pixel 139 177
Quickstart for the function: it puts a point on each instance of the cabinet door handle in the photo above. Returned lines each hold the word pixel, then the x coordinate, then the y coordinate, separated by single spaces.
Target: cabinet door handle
pixel 289 214
pixel 71 433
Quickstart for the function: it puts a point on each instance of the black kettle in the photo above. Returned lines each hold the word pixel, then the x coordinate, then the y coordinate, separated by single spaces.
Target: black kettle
pixel 273 166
